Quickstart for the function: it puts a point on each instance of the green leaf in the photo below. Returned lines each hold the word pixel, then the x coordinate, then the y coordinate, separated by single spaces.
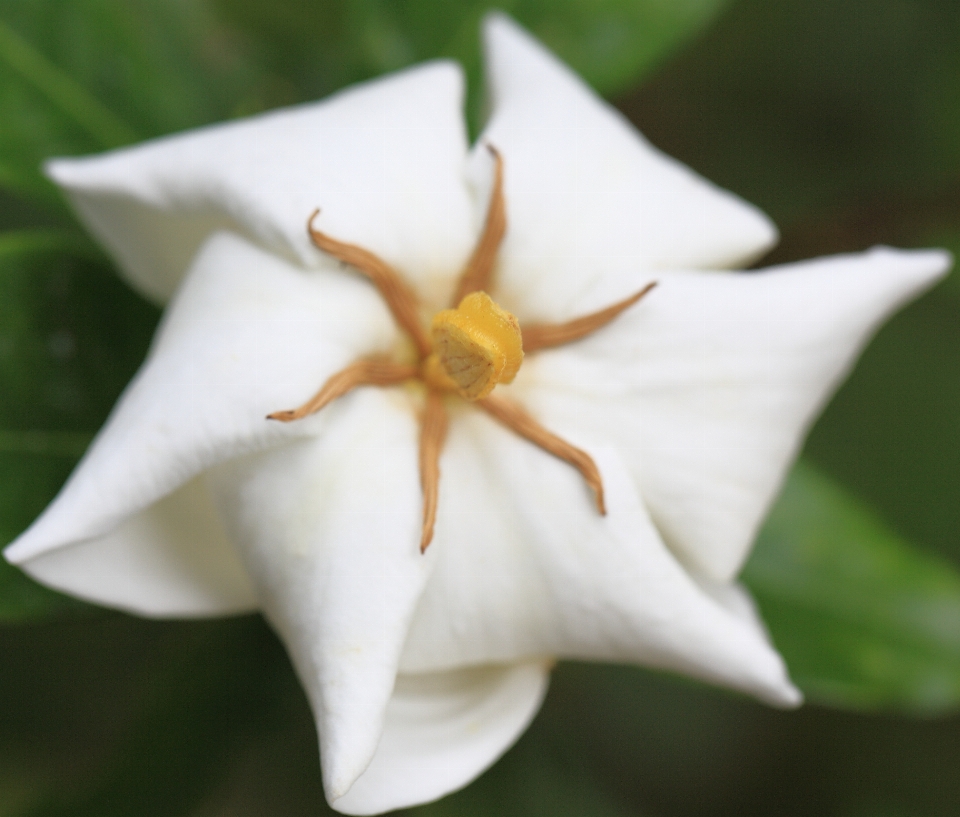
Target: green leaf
pixel 71 334
pixel 28 242
pixel 71 337
pixel 612 43
pixel 29 184
pixel 77 76
pixel 863 619
pixel 62 91
pixel 44 443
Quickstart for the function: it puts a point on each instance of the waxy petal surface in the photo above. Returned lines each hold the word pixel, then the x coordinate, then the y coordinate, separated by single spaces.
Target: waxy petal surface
pixel 329 529
pixel 383 160
pixel 171 559
pixel 248 334
pixel 587 196
pixel 526 567
pixel 442 730
pixel 709 385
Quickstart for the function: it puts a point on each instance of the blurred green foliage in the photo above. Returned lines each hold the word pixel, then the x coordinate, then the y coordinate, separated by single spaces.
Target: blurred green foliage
pixel 839 117
pixel 863 619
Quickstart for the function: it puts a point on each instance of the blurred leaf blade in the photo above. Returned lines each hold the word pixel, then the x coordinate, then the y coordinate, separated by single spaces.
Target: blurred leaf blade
pixel 613 44
pixel 49 443
pixel 45 240
pixel 67 95
pixel 864 620
pixel 84 75
pixel 30 185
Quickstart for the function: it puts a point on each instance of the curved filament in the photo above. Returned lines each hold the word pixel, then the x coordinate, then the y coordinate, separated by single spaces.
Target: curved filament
pixel 517 420
pixel 433 432
pixel 398 296
pixel 373 372
pixel 544 335
pixel 478 273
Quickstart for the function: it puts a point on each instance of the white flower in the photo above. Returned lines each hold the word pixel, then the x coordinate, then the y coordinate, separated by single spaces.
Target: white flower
pixel 423 668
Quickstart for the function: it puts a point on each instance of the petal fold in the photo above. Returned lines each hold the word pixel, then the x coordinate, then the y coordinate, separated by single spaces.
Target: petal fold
pixel 248 334
pixel 587 196
pixel 171 559
pixel 329 529
pixel 527 568
pixel 444 729
pixel 383 160
pixel 709 385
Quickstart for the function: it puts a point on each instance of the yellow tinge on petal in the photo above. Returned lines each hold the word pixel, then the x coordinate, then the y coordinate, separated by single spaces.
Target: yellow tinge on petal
pixel 477 345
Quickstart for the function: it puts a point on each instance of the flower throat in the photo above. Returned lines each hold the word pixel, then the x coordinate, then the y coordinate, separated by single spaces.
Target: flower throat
pixel 469 350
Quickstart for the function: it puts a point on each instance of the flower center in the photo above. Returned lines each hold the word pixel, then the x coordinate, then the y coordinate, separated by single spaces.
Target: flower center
pixel 476 346
pixel 468 351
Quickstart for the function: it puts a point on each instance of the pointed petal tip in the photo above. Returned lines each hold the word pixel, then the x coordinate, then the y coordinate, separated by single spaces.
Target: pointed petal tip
pixel 497 23
pixel 509 47
pixel 83 173
pixel 55 169
pixel 928 265
pixel 442 730
pixel 766 233
pixel 751 233
pixel 26 546
pixel 346 754
pixel 781 692
pixel 10 552
pixel 772 679
pixel 336 784
pixel 792 698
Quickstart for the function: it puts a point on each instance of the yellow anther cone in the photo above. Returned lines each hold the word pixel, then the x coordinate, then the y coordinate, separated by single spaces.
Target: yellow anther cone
pixel 477 345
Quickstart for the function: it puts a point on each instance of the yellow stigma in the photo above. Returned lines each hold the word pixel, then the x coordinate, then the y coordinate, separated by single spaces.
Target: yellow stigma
pixel 475 346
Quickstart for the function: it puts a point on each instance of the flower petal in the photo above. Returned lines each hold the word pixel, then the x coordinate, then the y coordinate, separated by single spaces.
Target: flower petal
pixel 329 529
pixel 248 334
pixel 587 196
pixel 384 161
pixel 442 730
pixel 709 385
pixel 171 559
pixel 526 567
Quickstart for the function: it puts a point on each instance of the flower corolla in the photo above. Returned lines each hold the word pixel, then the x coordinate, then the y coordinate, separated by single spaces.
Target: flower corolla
pixel 423 664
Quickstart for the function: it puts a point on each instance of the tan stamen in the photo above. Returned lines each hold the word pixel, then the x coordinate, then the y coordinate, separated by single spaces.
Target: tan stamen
pixel 433 432
pixel 517 420
pixel 372 372
pixel 470 349
pixel 399 297
pixel 479 270
pixel 544 335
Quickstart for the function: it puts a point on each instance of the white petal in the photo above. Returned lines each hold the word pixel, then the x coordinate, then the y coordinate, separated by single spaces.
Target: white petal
pixel 709 385
pixel 384 161
pixel 329 530
pixel 586 195
pixel 527 567
pixel 172 559
pixel 442 730
pixel 247 335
